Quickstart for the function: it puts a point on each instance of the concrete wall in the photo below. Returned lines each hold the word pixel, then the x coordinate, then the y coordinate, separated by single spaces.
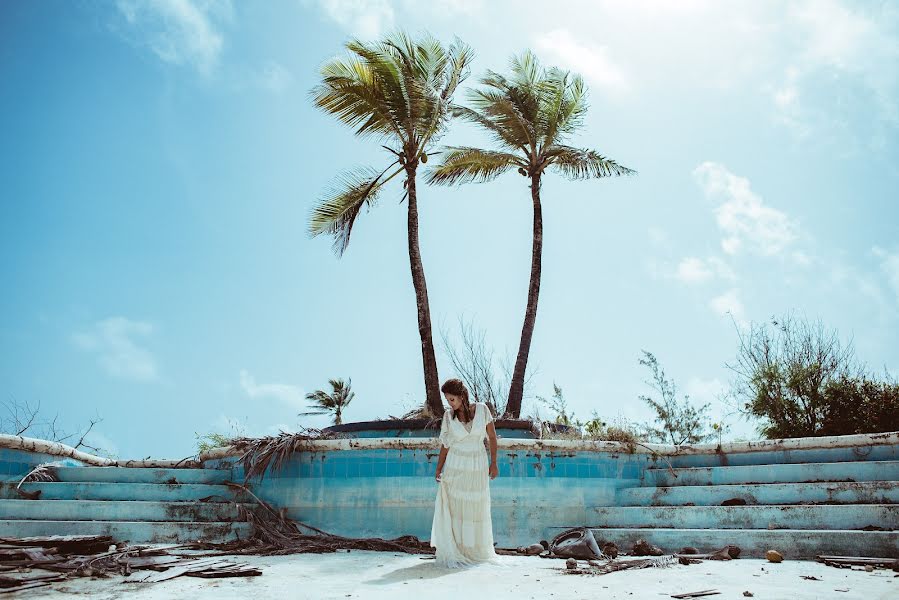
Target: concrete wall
pixel 386 488
pixel 391 492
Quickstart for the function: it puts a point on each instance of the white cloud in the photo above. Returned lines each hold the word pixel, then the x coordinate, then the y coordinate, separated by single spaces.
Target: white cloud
pixel 704 391
pixel 364 18
pixel 889 265
pixel 729 303
pixel 274 77
pixel 290 395
pixel 697 270
pixel 587 59
pixel 744 220
pixel 858 41
pixel 179 31
pixel 112 341
pixel 693 270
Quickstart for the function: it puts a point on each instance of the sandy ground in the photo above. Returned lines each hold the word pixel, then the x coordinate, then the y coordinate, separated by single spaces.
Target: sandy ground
pixel 359 574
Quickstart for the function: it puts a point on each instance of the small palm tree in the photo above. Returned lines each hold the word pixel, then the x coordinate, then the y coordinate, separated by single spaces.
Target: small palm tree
pixel 398 91
pixel 529 115
pixel 333 403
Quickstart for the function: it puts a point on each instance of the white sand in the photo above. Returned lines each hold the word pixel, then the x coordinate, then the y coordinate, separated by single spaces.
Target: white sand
pixel 385 575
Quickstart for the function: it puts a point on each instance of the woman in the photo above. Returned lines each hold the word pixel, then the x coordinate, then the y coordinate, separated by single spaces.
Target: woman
pixel 462 531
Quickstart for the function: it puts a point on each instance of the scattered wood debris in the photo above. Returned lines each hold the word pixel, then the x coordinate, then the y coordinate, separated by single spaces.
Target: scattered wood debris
pixel 596 568
pixel 100 556
pixel 697 594
pixel 847 562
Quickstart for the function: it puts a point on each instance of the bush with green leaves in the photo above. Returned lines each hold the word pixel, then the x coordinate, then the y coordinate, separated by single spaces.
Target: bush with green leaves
pixel 801 380
pixel 677 421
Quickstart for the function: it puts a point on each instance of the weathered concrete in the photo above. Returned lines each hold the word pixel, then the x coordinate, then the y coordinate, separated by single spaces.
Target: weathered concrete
pixel 792 543
pixel 775 473
pixel 142 475
pixel 846 516
pixel 186 492
pixel 864 492
pixel 140 531
pixel 117 510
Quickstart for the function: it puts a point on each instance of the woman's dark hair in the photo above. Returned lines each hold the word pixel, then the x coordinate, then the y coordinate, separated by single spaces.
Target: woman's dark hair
pixel 457 388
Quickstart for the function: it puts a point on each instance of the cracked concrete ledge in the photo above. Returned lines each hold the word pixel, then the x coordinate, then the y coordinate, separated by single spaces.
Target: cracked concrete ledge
pixel 546 445
pixel 550 445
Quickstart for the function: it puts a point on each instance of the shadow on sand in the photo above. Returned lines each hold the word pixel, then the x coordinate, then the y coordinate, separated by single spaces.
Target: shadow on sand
pixel 428 569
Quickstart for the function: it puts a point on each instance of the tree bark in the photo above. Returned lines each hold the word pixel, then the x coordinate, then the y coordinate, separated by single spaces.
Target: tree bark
pixel 516 389
pixel 432 384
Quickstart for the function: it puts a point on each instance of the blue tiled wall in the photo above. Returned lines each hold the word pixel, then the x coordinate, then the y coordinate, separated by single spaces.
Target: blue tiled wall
pixel 391 492
pixel 15 464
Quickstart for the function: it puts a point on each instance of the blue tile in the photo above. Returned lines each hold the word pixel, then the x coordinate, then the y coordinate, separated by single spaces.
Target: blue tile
pixel 583 471
pixel 365 470
pixel 407 469
pixel 379 469
pixel 352 469
pixel 305 470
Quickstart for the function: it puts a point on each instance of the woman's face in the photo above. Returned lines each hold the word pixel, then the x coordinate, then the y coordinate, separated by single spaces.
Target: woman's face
pixel 454 401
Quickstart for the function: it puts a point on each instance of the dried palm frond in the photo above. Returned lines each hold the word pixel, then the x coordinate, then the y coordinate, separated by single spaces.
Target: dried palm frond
pixel 42 472
pixel 259 454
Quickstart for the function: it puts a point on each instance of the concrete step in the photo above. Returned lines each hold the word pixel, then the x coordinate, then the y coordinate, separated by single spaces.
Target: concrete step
pixel 792 543
pixel 886 470
pixel 132 531
pixel 823 517
pixel 865 492
pixel 115 510
pixel 794 456
pixel 180 492
pixel 142 475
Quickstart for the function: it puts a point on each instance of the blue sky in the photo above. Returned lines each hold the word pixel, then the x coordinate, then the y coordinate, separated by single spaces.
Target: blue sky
pixel 158 162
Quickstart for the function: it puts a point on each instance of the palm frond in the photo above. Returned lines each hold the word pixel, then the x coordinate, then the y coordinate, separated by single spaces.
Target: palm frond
pixel 510 138
pixel 500 108
pixel 467 165
pixel 351 91
pixel 577 163
pixel 563 106
pixel 338 209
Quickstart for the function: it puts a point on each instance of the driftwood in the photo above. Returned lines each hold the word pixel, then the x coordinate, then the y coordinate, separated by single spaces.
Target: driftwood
pixel 845 562
pixel 697 594
pixel 595 568
pixel 99 556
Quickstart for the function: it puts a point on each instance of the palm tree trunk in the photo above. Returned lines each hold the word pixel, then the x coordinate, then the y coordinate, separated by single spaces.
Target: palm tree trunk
pixel 516 389
pixel 432 383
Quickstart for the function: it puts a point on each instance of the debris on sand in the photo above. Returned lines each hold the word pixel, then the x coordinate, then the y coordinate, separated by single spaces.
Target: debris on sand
pixel 774 556
pixel 611 566
pixel 100 556
pixel 644 548
pixel 575 543
pixel 847 562
pixel 610 550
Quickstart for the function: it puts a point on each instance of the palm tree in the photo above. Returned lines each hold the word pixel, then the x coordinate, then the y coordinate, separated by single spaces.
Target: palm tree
pixel 528 114
pixel 333 403
pixel 398 91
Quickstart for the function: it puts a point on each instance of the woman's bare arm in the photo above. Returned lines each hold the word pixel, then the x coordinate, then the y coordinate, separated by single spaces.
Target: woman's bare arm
pixel 440 460
pixel 491 435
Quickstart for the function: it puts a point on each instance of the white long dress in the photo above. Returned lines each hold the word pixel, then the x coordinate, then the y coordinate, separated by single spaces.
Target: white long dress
pixel 462 531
